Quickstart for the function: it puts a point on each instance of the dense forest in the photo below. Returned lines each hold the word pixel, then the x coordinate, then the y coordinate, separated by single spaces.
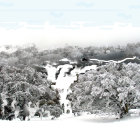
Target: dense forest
pixel 111 88
pixel 29 56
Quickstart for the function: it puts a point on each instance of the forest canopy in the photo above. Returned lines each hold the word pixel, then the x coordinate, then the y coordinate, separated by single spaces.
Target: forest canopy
pixel 113 87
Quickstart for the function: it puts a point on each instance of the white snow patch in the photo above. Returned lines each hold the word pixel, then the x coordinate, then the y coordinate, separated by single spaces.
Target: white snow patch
pixel 120 61
pixel 87 68
pixel 64 59
pixel 51 72
pixel 134 112
pixel 64 81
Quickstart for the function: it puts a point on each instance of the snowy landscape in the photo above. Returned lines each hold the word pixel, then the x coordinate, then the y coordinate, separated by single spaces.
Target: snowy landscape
pixel 69 69
pixel 69 82
pixel 78 93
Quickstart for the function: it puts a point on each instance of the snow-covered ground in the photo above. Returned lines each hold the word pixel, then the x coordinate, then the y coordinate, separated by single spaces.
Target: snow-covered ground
pixel 77 128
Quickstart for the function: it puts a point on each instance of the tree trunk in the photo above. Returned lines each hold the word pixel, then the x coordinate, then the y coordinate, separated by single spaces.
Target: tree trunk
pixel 124 110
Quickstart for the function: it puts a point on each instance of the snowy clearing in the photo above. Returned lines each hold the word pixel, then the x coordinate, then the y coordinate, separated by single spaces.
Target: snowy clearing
pixel 79 128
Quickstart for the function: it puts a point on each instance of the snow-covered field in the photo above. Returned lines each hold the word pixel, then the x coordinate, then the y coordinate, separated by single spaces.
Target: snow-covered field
pixel 78 128
pixel 68 127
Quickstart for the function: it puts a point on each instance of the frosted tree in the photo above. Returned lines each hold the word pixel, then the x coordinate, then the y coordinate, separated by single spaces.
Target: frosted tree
pixel 19 87
pixel 107 89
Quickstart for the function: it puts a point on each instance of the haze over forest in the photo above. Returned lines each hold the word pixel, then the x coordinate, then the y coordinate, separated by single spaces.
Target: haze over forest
pixel 51 24
pixel 49 36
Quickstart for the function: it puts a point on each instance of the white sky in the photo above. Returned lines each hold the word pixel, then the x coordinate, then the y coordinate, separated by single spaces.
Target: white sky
pixel 94 12
pixel 73 22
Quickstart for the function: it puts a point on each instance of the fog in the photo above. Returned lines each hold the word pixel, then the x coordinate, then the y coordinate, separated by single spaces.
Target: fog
pixel 76 34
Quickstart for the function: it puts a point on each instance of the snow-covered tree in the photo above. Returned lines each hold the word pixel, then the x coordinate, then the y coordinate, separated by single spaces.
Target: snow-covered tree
pixel 107 89
pixel 19 87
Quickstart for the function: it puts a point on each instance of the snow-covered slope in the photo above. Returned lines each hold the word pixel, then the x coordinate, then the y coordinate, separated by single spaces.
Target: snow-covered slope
pixel 77 128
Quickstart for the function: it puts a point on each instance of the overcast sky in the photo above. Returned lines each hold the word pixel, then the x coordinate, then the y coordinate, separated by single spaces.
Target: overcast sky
pixel 69 14
pixel 63 12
